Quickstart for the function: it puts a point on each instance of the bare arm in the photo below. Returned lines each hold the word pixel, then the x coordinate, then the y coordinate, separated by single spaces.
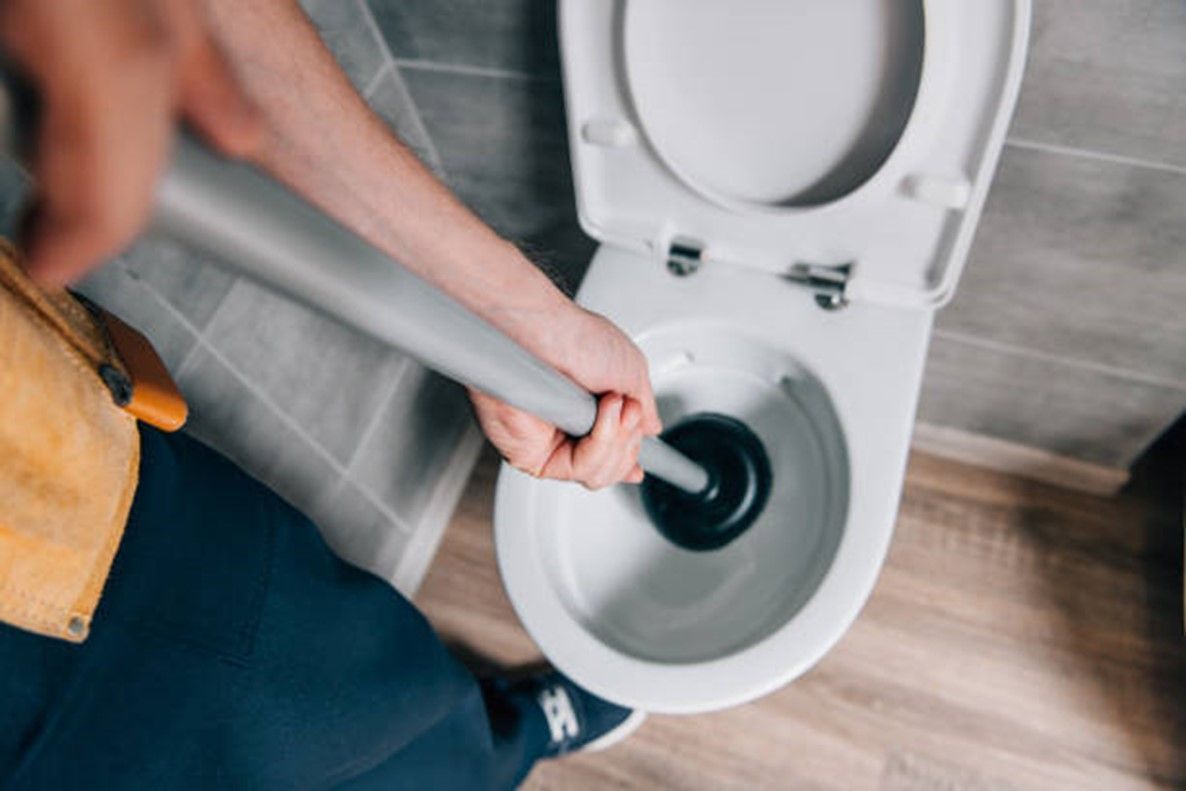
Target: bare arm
pixel 322 139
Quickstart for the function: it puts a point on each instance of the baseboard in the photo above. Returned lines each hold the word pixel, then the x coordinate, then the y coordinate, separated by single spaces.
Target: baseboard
pixel 1016 459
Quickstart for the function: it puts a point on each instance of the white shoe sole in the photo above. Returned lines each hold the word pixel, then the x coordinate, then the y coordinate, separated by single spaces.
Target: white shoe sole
pixel 620 733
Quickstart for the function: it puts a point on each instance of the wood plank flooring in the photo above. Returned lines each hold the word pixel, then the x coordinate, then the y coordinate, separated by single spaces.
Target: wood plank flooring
pixel 1020 636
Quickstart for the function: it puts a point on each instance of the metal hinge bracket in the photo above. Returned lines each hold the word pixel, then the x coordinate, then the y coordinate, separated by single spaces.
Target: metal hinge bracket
pixel 684 256
pixel 828 281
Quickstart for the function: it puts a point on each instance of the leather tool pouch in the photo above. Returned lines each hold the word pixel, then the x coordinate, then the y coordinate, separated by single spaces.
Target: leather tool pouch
pixel 73 386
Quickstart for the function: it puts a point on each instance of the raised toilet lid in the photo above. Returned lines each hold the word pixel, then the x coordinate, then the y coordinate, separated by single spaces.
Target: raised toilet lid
pixel 781 133
pixel 768 105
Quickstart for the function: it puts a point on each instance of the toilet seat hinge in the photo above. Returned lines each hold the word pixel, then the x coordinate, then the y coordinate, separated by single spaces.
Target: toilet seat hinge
pixel 684 256
pixel 828 281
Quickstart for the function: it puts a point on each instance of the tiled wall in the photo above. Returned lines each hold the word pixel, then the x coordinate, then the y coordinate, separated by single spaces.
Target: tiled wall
pixel 1067 333
pixel 485 79
pixel 371 445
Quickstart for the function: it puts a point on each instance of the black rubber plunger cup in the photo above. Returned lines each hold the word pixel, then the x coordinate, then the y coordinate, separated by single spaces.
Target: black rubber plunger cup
pixel 739 483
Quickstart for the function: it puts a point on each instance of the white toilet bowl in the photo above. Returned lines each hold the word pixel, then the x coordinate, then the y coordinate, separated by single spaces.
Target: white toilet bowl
pixel 703 262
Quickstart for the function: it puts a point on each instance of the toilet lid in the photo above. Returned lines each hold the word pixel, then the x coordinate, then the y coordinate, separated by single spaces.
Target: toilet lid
pixel 759 104
pixel 781 133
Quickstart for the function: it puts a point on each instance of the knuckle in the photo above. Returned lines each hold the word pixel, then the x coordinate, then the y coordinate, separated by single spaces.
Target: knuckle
pixel 524 466
pixel 526 462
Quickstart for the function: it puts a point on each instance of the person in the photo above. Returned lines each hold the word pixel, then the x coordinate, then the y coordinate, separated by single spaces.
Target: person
pixel 168 620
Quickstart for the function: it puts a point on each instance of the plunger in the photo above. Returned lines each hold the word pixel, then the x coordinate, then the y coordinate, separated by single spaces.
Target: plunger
pixel 255 226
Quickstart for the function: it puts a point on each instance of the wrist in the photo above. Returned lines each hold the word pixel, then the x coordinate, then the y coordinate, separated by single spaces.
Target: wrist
pixel 529 307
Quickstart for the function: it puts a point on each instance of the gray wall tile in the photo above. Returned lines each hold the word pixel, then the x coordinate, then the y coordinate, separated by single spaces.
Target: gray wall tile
pixel 228 416
pixel 504 146
pixel 517 35
pixel 391 100
pixel 1107 75
pixel 359 532
pixel 345 31
pixel 413 442
pixel 328 378
pixel 191 283
pixel 1044 403
pixel 113 287
pixel 1082 259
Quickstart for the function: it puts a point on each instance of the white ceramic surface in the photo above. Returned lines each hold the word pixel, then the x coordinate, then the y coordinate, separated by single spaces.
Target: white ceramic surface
pixel 830 394
pixel 730 94
pixel 651 85
pixel 667 604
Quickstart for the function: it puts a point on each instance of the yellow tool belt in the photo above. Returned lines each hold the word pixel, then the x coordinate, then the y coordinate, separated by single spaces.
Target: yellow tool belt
pixel 73 381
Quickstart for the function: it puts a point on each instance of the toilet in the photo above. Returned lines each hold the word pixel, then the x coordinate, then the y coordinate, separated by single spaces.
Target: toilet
pixel 785 192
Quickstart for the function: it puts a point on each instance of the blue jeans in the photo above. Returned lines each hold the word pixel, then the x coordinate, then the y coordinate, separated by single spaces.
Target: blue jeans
pixel 233 649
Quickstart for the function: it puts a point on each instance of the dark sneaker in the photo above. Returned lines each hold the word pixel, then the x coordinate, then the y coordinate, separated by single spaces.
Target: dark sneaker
pixel 578 720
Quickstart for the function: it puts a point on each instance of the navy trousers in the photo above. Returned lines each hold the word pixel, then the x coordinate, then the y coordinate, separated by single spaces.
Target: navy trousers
pixel 231 648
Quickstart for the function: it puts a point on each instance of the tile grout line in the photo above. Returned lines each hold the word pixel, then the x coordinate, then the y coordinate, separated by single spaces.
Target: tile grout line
pixel 1097 156
pixel 1119 373
pixel 419 64
pixel 390 61
pixel 121 264
pixel 373 82
pixel 346 476
pixel 203 342
pixel 372 426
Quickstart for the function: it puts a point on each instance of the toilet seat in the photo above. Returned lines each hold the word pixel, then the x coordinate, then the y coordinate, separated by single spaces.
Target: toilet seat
pixel 592 593
pixel 905 229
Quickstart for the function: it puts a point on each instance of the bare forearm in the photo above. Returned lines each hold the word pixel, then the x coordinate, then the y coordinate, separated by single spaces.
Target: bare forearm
pixel 324 141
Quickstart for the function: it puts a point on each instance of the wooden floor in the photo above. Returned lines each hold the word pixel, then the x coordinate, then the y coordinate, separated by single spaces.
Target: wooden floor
pixel 1020 636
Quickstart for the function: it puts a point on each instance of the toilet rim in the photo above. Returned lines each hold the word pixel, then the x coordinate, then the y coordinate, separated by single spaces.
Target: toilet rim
pixel 662 687
pixel 934 82
pixel 748 673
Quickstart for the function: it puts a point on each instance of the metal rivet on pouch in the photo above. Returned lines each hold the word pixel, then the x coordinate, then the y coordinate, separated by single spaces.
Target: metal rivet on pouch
pixel 119 385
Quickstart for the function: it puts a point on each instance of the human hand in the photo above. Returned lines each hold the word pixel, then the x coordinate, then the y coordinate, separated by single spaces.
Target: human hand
pixel 112 77
pixel 595 354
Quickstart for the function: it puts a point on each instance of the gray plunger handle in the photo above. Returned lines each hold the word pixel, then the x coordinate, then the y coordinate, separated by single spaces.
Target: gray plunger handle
pixel 253 224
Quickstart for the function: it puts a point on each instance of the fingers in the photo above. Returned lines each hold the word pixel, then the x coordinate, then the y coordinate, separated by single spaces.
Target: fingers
pixel 526 442
pixel 102 139
pixel 628 461
pixel 595 455
pixel 651 424
pixel 609 453
pixel 609 362
pixel 636 475
pixel 112 77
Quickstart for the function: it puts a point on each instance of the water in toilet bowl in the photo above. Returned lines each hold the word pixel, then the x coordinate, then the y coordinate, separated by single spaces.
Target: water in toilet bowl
pixel 648 597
